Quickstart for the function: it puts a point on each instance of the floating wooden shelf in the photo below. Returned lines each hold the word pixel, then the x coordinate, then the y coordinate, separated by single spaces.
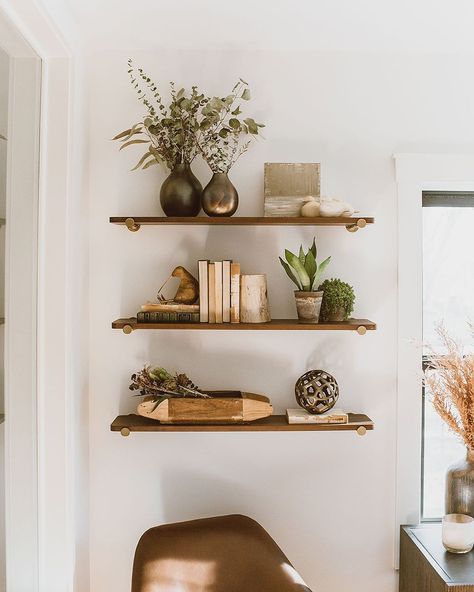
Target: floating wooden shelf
pixel 359 325
pixel 133 223
pixel 275 423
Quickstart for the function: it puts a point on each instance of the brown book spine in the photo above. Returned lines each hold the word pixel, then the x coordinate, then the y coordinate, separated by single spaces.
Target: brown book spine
pixel 167 317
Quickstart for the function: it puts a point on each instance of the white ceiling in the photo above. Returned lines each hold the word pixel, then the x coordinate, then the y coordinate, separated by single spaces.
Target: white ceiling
pixel 373 25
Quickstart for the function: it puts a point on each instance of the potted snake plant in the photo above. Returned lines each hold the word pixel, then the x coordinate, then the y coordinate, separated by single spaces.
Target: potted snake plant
pixel 305 273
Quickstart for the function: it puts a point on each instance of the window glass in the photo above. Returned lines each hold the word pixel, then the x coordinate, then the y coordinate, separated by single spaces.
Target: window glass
pixel 448 297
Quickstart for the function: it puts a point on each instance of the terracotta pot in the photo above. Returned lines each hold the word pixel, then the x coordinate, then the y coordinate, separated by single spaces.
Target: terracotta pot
pixel 338 315
pixel 180 193
pixel 220 197
pixel 308 305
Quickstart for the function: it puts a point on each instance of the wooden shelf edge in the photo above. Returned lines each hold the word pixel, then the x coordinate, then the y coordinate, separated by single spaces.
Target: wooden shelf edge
pixel 130 324
pixel 275 423
pixel 242 221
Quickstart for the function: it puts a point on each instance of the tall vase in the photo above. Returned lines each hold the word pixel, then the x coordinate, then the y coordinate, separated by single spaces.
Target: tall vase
pixel 220 197
pixel 180 193
pixel 460 486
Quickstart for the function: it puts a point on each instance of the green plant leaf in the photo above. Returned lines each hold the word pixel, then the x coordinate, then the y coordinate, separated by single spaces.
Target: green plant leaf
pixel 296 264
pixel 320 271
pixel 127 134
pixel 250 123
pixel 236 111
pixel 2 137
pixel 246 95
pixel 313 249
pixel 122 134
pixel 290 273
pixel 142 160
pixel 130 142
pixel 301 255
pixel 150 163
pixel 311 266
pixel 234 123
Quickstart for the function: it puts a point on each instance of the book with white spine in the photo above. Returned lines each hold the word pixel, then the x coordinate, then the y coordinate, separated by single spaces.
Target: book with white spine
pixel 218 290
pixel 235 293
pixel 301 416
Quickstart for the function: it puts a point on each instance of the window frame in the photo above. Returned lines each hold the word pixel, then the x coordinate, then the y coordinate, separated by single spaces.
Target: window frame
pixel 436 199
pixel 415 173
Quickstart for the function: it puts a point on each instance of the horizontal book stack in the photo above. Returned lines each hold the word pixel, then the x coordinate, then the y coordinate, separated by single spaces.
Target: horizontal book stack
pixel 219 291
pixel 168 313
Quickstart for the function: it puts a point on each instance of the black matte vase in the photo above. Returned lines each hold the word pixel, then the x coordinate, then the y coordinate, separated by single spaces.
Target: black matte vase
pixel 180 193
pixel 220 197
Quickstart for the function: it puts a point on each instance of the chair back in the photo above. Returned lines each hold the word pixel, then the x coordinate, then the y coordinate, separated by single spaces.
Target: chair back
pixel 223 554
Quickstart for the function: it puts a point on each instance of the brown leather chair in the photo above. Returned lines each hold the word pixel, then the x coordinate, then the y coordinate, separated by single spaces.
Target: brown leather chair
pixel 223 554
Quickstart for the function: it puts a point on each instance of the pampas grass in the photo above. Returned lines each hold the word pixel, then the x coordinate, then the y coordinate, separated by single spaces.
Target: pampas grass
pixel 450 380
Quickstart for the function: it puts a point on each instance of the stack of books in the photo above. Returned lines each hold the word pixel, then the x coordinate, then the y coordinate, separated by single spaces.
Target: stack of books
pixel 152 312
pixel 219 291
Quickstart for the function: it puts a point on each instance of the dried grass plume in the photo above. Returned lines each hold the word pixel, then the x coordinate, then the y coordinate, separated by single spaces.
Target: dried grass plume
pixel 450 380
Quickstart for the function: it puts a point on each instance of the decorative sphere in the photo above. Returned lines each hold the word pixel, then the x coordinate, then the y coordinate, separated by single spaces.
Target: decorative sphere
pixel 317 391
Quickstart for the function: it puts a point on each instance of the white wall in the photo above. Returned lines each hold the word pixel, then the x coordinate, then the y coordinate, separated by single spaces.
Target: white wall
pixel 328 499
pixel 4 84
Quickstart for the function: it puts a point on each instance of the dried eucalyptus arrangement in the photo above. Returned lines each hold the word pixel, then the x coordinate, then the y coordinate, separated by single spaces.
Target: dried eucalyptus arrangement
pixel 169 130
pixel 175 131
pixel 223 135
pixel 159 383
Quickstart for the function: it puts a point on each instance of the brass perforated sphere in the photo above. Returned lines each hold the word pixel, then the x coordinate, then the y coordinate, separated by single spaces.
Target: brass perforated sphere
pixel 317 391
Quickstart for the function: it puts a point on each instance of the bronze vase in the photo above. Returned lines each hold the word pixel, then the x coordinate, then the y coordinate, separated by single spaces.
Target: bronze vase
pixel 180 193
pixel 460 486
pixel 220 197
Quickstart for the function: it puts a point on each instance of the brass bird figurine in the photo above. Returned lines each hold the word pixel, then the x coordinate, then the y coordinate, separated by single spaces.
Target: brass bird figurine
pixel 188 289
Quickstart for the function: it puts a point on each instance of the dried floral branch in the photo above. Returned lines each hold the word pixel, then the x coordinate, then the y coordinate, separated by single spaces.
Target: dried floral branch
pixel 158 382
pixel 450 381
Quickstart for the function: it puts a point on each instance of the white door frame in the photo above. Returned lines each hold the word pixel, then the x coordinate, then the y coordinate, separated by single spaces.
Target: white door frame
pixel 41 555
pixel 416 173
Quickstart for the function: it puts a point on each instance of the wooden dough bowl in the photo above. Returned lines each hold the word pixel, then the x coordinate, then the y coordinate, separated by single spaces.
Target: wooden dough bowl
pixel 224 407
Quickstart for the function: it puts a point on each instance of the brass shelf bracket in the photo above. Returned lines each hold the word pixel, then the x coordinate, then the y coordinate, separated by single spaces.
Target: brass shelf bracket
pixel 361 431
pixel 127 329
pixel 361 330
pixel 132 225
pixel 126 432
pixel 361 223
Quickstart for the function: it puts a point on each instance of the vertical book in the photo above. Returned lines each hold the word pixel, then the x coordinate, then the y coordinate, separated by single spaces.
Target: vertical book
pixel 218 292
pixel 226 291
pixel 235 293
pixel 212 292
pixel 203 291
